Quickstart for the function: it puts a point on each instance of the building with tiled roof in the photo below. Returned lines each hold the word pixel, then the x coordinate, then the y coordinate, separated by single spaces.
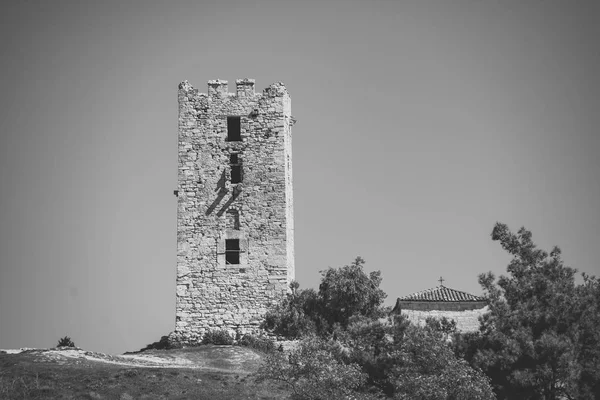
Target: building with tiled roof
pixel 441 294
pixel 441 301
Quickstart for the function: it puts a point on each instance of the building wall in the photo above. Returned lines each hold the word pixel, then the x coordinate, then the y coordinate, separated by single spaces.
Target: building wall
pixel 466 317
pixel 211 293
pixel 441 305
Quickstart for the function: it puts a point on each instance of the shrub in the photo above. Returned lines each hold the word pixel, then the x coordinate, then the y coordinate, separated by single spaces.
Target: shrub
pixel 264 344
pixel 65 342
pixel 312 372
pixel 368 355
pixel 343 293
pixel 295 316
pixel 220 337
pixel 163 344
pixel 374 346
pixel 443 325
pixel 427 368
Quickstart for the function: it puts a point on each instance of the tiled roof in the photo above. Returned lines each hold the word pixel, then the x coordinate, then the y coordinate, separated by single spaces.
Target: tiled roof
pixel 441 293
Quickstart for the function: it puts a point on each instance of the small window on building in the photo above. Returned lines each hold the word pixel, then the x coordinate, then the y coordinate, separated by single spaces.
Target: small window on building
pixel 234 133
pixel 236 168
pixel 232 251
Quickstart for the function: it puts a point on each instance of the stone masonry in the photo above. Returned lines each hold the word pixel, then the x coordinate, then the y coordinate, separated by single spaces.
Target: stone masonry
pixel 466 320
pixel 235 223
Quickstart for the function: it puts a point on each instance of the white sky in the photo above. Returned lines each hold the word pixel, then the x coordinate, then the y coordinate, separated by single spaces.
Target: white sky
pixel 420 124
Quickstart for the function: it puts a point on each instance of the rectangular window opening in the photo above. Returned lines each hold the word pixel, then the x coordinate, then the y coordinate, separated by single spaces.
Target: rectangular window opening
pixel 236 174
pixel 234 133
pixel 236 168
pixel 232 251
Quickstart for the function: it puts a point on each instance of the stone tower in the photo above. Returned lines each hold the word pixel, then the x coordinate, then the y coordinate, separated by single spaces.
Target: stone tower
pixel 235 221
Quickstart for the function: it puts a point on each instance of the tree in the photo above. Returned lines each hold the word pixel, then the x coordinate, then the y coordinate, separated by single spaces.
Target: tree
pixel 343 293
pixel 588 338
pixel 530 341
pixel 348 291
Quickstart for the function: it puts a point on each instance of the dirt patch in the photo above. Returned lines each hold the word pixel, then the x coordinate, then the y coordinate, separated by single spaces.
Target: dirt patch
pixel 234 359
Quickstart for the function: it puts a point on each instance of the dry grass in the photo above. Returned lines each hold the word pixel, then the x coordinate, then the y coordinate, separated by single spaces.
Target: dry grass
pixel 31 375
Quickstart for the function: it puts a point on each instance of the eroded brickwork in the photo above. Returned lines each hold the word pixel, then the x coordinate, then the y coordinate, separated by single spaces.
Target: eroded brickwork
pixel 235 225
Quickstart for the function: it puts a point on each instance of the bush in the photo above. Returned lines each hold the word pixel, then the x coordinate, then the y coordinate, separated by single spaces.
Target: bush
pixel 443 325
pixel 65 342
pixel 163 344
pixel 350 351
pixel 295 316
pixel 220 337
pixel 312 372
pixel 343 293
pixel 427 368
pixel 374 346
pixel 264 344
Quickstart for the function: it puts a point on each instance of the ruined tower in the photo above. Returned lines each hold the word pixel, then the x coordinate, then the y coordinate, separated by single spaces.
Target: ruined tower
pixel 235 222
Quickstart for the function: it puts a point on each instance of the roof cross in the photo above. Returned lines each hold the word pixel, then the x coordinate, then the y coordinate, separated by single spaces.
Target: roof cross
pixel 441 280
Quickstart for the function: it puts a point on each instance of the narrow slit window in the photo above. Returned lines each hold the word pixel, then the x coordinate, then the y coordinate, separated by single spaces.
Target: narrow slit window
pixel 232 251
pixel 236 168
pixel 234 131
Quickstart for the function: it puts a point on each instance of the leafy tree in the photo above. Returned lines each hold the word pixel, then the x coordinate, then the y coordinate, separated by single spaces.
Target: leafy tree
pixel 531 339
pixel 343 293
pixel 348 291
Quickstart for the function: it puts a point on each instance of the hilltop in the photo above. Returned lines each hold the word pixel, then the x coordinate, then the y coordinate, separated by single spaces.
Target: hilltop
pixel 204 372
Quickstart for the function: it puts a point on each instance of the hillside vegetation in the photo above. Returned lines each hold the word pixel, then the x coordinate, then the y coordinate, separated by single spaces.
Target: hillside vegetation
pixel 538 341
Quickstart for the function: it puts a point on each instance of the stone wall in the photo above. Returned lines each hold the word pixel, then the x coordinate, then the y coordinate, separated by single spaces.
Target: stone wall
pixel 440 305
pixel 466 321
pixel 258 212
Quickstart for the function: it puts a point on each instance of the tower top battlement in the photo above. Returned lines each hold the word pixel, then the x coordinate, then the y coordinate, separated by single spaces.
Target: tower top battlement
pixel 219 88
